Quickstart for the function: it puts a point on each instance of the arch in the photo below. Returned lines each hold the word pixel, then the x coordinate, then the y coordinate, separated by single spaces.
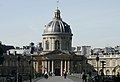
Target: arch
pixel 101 71
pixel 107 72
pixel 117 69
pixel 47 45
pixel 57 44
pixel 113 72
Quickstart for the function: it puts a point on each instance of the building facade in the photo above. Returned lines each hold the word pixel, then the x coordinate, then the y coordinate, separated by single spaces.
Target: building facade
pixel 111 58
pixel 15 63
pixel 57 55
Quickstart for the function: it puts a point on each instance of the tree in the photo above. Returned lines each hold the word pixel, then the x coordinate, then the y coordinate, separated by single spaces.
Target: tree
pixel 31 44
pixel 1 54
pixel 32 48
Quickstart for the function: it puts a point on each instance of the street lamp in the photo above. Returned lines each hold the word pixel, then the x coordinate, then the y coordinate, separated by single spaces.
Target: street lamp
pixel 35 68
pixel 30 75
pixel 18 60
pixel 97 59
pixel 103 64
pixel 30 71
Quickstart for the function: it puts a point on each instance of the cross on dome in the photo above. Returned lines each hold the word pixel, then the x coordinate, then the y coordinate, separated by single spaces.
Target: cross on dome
pixel 57 12
pixel 57 4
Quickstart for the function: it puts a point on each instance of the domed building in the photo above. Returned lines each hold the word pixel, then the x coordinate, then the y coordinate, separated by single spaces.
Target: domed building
pixel 57 55
pixel 57 34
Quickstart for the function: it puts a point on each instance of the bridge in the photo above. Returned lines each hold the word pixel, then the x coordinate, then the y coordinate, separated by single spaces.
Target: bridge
pixel 60 79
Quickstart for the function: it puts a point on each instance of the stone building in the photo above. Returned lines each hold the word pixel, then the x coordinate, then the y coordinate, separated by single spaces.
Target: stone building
pixel 57 55
pixel 15 63
pixel 111 63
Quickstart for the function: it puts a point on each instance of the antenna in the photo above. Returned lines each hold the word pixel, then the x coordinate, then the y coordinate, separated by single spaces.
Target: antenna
pixel 57 4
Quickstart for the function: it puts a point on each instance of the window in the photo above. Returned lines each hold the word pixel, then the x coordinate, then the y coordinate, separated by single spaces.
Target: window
pixel 113 63
pixel 94 63
pixel 107 63
pixel 57 44
pixel 47 44
pixel 67 45
pixel 118 62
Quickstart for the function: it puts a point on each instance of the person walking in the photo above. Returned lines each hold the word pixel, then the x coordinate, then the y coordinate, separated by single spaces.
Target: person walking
pixel 84 78
pixel 65 75
pixel 46 74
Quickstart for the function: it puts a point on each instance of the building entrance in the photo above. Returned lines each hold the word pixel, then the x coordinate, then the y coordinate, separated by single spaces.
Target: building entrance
pixel 57 72
pixel 57 65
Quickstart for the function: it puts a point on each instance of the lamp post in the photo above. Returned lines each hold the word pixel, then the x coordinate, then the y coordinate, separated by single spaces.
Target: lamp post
pixel 97 59
pixel 23 66
pixel 30 75
pixel 18 60
pixel 102 72
pixel 31 63
pixel 103 64
pixel 35 68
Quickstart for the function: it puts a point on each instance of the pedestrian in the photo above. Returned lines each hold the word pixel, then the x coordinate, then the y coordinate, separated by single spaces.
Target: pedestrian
pixel 65 75
pixel 89 77
pixel 84 78
pixel 50 73
pixel 46 74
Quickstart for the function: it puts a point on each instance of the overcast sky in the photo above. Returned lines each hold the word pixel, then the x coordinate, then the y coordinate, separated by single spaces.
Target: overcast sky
pixel 94 23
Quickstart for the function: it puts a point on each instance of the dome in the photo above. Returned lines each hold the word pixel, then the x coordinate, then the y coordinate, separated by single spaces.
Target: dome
pixel 57 26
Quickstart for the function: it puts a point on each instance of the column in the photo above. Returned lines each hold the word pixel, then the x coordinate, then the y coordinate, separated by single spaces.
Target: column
pixel 65 66
pixel 68 67
pixel 45 65
pixel 61 67
pixel 37 66
pixel 44 45
pixel 53 44
pixel 42 66
pixel 48 66
pixel 50 46
pixel 71 66
pixel 52 66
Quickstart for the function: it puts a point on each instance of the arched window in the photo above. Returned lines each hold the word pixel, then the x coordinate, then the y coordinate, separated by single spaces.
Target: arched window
pixel 107 72
pixel 47 44
pixel 57 44
pixel 67 45
pixel 113 72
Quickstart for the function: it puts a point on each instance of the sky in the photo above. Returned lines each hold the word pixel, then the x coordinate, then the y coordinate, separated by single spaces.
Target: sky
pixel 93 23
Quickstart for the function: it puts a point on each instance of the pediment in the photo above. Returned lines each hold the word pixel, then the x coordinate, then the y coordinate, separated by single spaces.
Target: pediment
pixel 57 54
